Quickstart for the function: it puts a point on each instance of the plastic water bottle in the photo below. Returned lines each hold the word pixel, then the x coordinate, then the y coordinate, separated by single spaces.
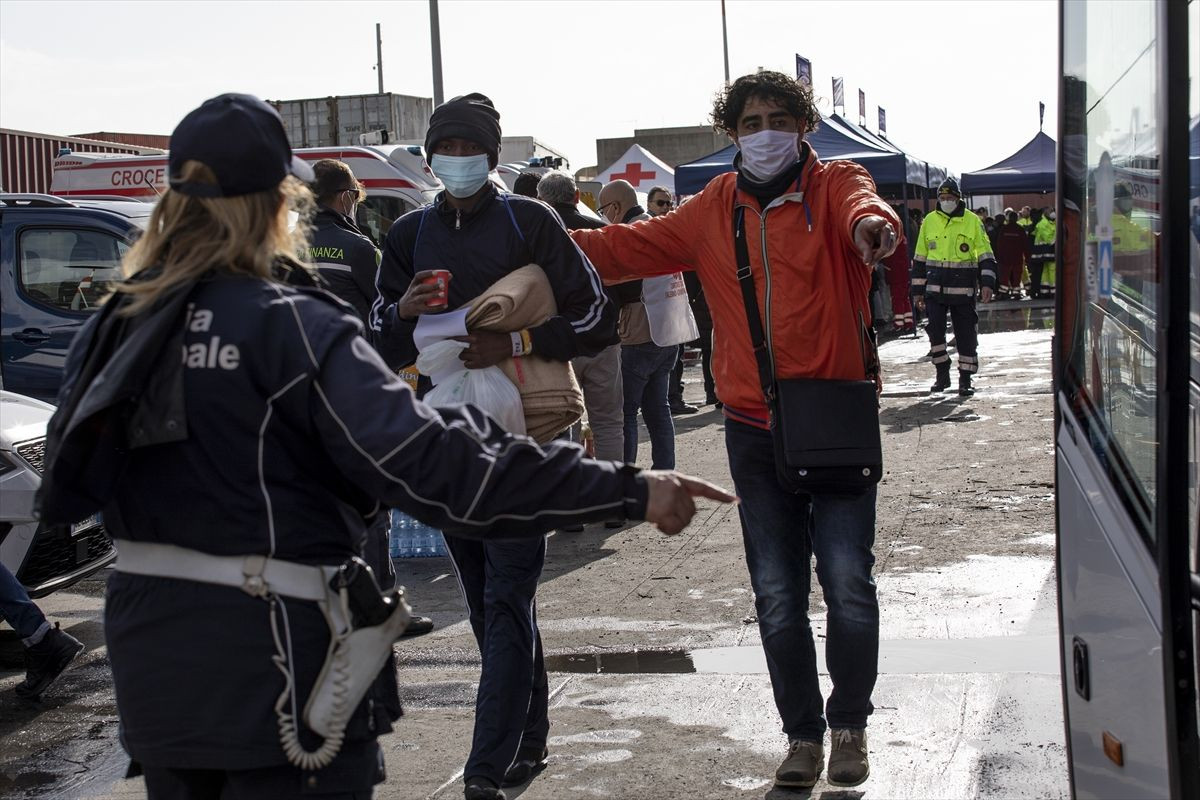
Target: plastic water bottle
pixel 409 538
pixel 399 535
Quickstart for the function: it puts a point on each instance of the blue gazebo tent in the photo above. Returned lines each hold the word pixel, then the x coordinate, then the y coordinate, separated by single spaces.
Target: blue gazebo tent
pixel 1030 169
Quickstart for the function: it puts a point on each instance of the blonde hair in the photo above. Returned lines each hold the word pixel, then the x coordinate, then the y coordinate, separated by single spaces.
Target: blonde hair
pixel 188 236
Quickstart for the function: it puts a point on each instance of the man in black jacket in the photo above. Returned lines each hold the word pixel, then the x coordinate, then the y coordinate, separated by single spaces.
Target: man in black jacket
pixel 481 235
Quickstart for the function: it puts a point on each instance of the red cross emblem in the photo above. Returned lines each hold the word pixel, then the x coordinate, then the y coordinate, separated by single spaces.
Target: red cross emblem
pixel 633 173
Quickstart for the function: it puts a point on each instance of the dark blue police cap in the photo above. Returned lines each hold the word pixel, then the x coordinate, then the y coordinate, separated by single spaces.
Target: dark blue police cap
pixel 241 139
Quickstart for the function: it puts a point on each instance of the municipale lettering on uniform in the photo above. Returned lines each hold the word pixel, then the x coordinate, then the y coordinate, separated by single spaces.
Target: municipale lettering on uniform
pixel 211 354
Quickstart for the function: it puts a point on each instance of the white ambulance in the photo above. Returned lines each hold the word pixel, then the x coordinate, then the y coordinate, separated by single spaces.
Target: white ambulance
pixel 396 177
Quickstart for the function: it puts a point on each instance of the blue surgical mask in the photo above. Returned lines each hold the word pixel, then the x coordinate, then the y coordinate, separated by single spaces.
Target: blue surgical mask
pixel 462 175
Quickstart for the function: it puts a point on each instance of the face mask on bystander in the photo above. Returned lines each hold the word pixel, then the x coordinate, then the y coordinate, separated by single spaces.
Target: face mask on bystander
pixel 765 154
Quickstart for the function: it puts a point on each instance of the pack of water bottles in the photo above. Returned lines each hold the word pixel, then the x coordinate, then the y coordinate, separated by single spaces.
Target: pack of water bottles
pixel 410 538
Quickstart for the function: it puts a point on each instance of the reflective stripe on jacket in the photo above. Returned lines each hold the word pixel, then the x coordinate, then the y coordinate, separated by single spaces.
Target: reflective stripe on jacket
pixel 953 254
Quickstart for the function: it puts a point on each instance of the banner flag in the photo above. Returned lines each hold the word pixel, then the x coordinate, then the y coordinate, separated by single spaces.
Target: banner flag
pixel 882 121
pixel 839 100
pixel 804 70
pixel 862 108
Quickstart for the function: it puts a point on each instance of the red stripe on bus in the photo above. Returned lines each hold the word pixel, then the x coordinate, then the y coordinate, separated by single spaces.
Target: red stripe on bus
pixel 106 163
pixel 135 191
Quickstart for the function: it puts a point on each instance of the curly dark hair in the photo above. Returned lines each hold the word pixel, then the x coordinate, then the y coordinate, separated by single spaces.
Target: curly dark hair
pixel 788 92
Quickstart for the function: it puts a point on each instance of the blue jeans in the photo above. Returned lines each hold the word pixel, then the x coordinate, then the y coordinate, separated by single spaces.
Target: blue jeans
pixel 781 532
pixel 646 373
pixel 499 579
pixel 19 611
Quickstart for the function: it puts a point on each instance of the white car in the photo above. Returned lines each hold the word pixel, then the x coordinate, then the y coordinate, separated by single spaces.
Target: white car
pixel 45 558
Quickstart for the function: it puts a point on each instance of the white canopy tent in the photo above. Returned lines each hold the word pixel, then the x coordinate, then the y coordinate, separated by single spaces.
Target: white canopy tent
pixel 641 168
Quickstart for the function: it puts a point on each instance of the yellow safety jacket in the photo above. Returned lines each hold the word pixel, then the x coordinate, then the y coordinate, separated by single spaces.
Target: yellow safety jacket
pixel 952 255
pixel 1045 231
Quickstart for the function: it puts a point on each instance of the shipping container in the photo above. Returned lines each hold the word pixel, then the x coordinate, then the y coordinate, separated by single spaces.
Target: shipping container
pixel 162 140
pixel 27 159
pixel 525 149
pixel 340 121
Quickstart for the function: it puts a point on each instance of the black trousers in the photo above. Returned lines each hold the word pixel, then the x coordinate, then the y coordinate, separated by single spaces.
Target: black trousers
pixel 499 579
pixel 351 776
pixel 966 338
pixel 675 387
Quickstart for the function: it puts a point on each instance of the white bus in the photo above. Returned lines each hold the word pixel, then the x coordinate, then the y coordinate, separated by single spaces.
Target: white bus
pixel 1127 383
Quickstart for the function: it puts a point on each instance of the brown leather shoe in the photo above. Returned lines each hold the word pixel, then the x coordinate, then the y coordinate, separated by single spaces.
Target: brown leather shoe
pixel 802 765
pixel 848 764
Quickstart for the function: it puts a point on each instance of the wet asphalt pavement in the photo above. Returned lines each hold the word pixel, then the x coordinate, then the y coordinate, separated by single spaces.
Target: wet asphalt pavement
pixel 659 686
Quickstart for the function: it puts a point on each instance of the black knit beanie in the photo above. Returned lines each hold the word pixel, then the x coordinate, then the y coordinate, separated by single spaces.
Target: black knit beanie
pixel 471 116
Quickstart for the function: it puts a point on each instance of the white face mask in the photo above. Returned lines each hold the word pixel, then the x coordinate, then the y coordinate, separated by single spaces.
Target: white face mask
pixel 766 154
pixel 947 206
pixel 1051 216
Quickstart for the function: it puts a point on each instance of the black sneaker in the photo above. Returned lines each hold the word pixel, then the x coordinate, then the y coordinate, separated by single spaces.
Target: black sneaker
pixel 525 768
pixel 482 789
pixel 614 523
pixel 418 626
pixel 683 408
pixel 46 660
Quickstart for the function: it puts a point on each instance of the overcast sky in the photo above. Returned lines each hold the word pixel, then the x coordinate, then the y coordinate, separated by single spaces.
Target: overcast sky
pixel 960 81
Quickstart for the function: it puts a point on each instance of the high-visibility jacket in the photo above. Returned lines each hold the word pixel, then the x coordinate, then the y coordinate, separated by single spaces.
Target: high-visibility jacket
pixel 1043 242
pixel 953 254
pixel 1045 231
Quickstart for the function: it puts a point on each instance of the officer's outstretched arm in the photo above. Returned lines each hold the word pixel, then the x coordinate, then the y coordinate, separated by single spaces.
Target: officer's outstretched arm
pixel 455 468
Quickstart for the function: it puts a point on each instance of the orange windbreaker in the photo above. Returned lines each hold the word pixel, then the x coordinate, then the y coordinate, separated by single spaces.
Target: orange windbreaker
pixel 812 284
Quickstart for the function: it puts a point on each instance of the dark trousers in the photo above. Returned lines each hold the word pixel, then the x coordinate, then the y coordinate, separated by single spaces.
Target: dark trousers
pixel 704 342
pixel 782 532
pixel 645 375
pixel 966 339
pixel 351 776
pixel 499 579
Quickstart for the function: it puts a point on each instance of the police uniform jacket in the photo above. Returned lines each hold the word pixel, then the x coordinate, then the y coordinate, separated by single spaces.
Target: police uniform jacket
pixel 501 233
pixel 346 259
pixel 953 255
pixel 268 425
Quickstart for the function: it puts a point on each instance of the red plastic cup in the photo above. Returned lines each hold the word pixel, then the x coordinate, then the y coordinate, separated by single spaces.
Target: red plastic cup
pixel 441 279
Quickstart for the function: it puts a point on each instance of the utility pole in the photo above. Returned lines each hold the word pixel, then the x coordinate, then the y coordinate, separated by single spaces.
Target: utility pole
pixel 435 36
pixel 379 55
pixel 724 41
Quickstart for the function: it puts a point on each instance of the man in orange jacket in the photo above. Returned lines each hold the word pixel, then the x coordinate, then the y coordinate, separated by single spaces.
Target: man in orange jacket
pixel 813 232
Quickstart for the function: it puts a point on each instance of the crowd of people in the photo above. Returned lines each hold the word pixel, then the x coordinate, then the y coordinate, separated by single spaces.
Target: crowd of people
pixel 293 438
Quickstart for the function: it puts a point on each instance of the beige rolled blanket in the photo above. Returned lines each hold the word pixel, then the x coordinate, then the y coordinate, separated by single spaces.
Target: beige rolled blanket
pixel 550 394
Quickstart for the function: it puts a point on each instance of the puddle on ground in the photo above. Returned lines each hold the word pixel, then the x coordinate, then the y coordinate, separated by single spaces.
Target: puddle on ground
pixel 993 654
pixel 633 662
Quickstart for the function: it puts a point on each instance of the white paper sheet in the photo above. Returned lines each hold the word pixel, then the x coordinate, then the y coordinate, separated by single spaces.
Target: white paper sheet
pixel 436 327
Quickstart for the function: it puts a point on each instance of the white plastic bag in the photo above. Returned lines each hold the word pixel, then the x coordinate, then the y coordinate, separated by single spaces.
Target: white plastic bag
pixel 668 311
pixel 489 389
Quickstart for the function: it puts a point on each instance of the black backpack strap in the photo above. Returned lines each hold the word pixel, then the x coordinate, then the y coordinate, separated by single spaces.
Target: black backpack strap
pixel 766 376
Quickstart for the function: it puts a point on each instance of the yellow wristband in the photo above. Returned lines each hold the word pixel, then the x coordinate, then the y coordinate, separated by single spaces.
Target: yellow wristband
pixel 526 342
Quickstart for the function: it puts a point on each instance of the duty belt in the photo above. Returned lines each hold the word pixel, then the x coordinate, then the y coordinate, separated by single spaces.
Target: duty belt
pixel 256 575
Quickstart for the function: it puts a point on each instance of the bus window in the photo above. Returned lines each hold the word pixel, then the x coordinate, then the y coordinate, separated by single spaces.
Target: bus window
pixel 377 213
pixel 1113 164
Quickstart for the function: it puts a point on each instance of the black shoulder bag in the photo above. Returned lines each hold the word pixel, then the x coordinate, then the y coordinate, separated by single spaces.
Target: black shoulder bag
pixel 825 432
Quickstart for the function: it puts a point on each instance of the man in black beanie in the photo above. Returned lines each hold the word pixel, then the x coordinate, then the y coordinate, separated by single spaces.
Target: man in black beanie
pixel 480 235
